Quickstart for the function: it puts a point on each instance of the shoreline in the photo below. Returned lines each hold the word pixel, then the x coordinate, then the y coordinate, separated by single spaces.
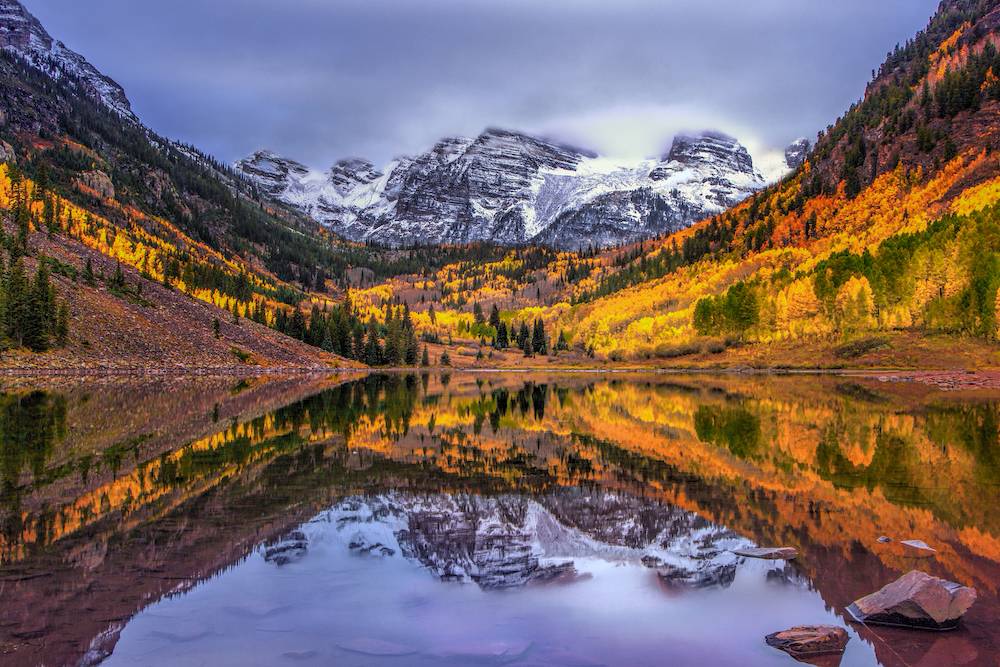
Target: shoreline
pixel 943 379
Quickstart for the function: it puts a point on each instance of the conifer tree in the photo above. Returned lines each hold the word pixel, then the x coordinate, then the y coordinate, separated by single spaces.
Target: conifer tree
pixel 17 302
pixel 297 324
pixel 538 342
pixel 359 341
pixel 410 344
pixel 502 341
pixel 393 351
pixel 425 358
pixel 373 347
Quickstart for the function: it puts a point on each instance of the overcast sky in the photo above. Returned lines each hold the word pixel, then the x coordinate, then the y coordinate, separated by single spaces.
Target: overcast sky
pixel 321 80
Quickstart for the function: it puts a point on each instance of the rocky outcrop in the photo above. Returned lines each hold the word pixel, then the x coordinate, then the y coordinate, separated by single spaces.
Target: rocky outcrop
pixel 23 34
pixel 797 152
pixel 916 600
pixel 99 182
pixel 508 188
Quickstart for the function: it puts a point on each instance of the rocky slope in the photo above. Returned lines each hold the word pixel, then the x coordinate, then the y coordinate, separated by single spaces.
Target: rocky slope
pixel 509 188
pixel 23 34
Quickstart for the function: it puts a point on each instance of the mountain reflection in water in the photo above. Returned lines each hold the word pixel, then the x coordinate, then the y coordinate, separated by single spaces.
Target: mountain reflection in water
pixel 592 519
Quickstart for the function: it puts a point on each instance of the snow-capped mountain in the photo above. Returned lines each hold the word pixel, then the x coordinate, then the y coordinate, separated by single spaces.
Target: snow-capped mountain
pixel 510 188
pixel 511 541
pixel 22 33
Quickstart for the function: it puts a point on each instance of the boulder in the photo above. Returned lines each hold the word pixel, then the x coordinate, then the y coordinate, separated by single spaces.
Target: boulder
pixel 768 553
pixel 915 600
pixel 810 640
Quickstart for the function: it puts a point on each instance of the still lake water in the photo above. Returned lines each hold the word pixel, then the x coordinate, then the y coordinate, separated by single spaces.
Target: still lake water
pixel 460 519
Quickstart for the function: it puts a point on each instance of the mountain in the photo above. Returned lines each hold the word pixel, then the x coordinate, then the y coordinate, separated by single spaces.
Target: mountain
pixel 23 33
pixel 508 188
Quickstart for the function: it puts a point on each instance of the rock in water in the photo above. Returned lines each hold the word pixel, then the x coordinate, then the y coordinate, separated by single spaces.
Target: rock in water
pixel 809 640
pixel 919 545
pixel 768 553
pixel 916 600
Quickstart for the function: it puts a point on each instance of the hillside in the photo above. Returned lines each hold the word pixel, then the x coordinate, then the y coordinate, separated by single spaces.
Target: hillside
pixel 174 240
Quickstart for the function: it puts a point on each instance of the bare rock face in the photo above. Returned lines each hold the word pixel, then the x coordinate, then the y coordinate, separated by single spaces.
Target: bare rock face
pixel 810 640
pixel 916 600
pixel 99 182
pixel 270 171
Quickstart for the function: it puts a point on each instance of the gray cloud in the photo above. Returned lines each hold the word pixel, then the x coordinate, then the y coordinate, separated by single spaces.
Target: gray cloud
pixel 320 80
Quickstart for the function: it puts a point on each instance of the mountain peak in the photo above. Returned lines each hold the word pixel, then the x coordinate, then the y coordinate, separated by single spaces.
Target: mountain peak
pixel 23 34
pixel 710 147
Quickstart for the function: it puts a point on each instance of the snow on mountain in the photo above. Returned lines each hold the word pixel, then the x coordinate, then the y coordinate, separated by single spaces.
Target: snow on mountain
pixel 510 541
pixel 509 188
pixel 23 34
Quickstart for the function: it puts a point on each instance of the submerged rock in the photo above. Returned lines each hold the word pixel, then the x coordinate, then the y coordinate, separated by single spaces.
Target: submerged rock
pixel 768 553
pixel 809 640
pixel 919 545
pixel 916 600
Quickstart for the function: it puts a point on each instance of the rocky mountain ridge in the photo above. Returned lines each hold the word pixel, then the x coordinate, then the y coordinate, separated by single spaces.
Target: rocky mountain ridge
pixel 509 188
pixel 22 33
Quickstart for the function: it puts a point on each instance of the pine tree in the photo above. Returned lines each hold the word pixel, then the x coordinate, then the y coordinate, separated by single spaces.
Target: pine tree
pixel 359 341
pixel 373 347
pixel 17 303
pixel 495 318
pixel 393 351
pixel 410 344
pixel 538 342
pixel 297 324
pixel 502 341
pixel 425 358
pixel 445 359
pixel 562 344
pixel 523 335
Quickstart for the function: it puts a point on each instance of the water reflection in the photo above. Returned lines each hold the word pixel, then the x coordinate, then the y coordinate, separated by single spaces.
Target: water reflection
pixel 115 497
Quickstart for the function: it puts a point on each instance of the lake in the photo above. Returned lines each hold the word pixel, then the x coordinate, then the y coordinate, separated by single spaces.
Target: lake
pixel 495 518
